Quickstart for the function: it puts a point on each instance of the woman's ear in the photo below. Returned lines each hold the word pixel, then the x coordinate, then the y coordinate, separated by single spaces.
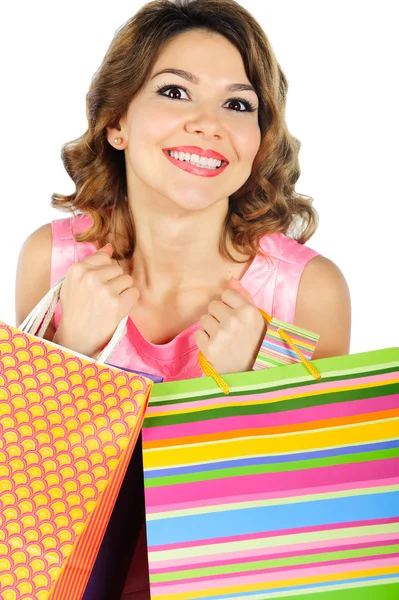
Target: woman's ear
pixel 116 137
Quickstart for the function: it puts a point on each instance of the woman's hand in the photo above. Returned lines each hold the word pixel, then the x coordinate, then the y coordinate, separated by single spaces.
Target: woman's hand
pixel 232 332
pixel 95 295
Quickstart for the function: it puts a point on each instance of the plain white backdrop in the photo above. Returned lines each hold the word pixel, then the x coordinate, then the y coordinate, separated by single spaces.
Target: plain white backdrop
pixel 340 59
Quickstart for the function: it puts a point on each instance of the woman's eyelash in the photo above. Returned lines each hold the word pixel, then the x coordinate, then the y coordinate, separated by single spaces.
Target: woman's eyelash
pixel 248 105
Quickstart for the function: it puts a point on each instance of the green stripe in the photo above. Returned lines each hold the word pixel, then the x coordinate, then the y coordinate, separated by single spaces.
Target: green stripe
pixel 272 407
pixel 273 335
pixel 343 367
pixel 291 328
pixel 263 565
pixel 173 389
pixel 266 360
pixel 278 541
pixel 312 463
pixel 352 590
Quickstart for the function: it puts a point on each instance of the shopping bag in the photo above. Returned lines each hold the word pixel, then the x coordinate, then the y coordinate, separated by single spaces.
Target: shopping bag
pixel 154 378
pixel 277 483
pixel 284 344
pixel 68 427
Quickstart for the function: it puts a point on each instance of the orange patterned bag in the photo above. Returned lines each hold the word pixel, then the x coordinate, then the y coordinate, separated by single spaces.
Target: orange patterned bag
pixel 68 427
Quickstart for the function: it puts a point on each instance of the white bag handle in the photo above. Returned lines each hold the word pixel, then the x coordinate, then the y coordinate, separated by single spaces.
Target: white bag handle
pixel 46 308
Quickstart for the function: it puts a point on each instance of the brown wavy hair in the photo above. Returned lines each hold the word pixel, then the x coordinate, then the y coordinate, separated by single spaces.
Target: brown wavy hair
pixel 266 203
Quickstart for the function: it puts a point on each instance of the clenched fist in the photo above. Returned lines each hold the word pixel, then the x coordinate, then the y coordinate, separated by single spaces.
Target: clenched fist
pixel 95 295
pixel 232 332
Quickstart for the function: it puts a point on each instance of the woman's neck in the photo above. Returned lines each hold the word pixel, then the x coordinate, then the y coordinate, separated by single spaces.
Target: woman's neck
pixel 180 253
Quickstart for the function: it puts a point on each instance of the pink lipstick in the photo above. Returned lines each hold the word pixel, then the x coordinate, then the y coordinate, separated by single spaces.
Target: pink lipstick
pixel 194 169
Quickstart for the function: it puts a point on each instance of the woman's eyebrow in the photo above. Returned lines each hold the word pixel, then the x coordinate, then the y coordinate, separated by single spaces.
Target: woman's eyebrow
pixel 233 87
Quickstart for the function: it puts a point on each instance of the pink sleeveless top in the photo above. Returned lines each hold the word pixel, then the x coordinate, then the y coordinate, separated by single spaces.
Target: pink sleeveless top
pixel 273 286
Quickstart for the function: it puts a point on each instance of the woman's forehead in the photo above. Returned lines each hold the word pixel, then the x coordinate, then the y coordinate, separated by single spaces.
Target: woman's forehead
pixel 217 57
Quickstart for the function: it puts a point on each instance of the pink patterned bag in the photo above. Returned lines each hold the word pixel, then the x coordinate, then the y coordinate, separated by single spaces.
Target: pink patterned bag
pixel 68 427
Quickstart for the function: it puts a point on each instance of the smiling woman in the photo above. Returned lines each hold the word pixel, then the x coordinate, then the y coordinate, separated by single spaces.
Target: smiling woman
pixel 187 172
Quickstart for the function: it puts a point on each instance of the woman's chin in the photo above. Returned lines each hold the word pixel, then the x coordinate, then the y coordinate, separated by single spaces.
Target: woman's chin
pixel 193 200
pixel 194 204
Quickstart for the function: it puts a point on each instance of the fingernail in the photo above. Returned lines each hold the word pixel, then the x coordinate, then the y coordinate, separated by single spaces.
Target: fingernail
pixel 104 247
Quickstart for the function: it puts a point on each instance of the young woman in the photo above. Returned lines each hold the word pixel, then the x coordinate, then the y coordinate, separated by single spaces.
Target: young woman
pixel 187 169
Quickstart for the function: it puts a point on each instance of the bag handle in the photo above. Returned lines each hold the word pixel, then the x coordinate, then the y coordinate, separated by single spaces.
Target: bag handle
pixel 208 370
pixel 44 311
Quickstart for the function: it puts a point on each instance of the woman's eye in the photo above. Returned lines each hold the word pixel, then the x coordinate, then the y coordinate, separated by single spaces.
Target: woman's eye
pixel 164 91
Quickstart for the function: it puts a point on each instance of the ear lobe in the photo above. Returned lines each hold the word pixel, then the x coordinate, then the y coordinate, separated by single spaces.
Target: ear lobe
pixel 116 137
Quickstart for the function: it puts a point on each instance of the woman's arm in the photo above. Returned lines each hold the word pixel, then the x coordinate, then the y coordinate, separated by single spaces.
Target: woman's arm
pixel 33 275
pixel 324 307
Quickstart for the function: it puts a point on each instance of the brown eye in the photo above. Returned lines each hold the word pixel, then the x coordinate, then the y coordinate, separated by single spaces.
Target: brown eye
pixel 175 89
pixel 164 91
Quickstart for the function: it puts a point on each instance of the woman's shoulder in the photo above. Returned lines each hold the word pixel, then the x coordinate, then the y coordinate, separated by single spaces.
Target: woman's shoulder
pixel 64 243
pixel 319 293
pixel 65 249
pixel 65 227
pixel 281 247
pixel 33 274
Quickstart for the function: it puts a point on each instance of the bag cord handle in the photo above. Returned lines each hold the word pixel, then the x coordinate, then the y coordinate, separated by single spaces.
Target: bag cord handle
pixel 39 318
pixel 209 371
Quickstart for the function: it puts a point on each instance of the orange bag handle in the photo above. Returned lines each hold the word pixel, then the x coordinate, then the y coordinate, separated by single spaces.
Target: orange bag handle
pixel 208 370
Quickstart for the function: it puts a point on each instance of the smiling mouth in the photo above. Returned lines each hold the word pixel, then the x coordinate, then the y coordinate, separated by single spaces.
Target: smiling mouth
pixel 196 164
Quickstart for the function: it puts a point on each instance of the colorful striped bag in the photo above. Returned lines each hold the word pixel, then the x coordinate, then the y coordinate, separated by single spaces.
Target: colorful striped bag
pixel 285 484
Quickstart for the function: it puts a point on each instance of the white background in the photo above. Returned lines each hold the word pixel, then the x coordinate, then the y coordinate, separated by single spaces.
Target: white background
pixel 340 59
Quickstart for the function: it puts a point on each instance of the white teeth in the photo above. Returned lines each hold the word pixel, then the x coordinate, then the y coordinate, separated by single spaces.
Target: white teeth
pixel 194 159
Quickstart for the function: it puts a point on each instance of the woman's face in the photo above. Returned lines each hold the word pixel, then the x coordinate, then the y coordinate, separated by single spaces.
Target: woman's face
pixel 204 114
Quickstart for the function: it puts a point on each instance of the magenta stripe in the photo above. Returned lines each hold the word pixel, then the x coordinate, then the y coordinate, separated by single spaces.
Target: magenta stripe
pixel 267 534
pixel 316 489
pixel 275 574
pixel 299 390
pixel 280 419
pixel 264 553
pixel 281 352
pixel 270 482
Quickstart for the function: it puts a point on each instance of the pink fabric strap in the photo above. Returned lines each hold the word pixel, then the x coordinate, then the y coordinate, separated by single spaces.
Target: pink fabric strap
pixel 65 249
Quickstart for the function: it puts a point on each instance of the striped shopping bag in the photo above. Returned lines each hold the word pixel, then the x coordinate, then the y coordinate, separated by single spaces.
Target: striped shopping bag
pixel 284 484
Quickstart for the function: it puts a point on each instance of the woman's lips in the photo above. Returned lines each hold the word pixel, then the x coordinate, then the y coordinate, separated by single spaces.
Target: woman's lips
pixel 201 171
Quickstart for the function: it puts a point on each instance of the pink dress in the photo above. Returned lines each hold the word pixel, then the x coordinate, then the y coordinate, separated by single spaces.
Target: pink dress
pixel 273 286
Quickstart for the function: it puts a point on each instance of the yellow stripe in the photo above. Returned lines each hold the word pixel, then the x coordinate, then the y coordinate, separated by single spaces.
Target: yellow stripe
pixel 270 444
pixel 299 342
pixel 274 584
pixel 185 407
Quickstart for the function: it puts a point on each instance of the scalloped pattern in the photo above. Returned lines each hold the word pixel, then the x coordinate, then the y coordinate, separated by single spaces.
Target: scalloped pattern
pixel 64 423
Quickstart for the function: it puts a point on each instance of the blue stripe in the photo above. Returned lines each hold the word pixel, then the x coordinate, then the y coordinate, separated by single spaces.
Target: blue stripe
pixel 305 587
pixel 266 460
pixel 272 518
pixel 286 351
